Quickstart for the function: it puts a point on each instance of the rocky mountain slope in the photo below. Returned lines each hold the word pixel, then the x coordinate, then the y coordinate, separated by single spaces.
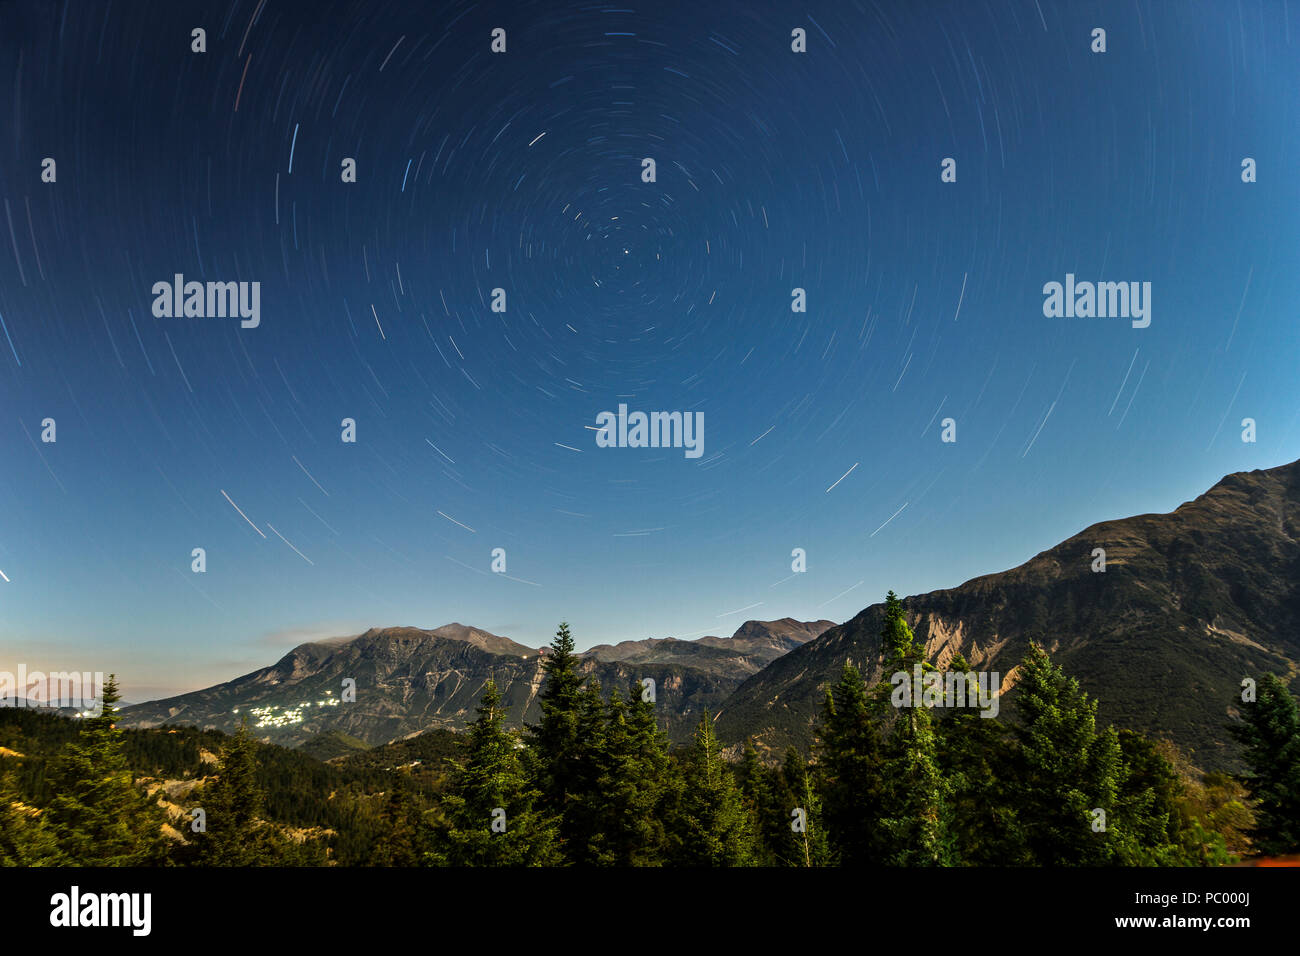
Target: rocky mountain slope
pixel 755 645
pixel 1189 604
pixel 409 680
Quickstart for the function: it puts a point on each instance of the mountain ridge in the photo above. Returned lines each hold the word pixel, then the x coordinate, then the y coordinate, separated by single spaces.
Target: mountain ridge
pixel 1191 601
pixel 409 680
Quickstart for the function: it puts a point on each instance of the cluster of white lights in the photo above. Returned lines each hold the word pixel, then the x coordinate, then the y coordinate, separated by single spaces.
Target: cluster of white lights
pixel 276 715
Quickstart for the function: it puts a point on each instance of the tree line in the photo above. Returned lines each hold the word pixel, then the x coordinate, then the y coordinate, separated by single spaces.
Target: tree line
pixel 595 783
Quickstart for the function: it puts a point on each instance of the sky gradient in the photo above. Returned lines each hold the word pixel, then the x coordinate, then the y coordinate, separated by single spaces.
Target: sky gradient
pixel 776 170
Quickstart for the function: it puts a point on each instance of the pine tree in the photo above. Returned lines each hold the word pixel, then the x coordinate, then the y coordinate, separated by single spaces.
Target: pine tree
pixel 1270 737
pixel 1147 806
pixel 850 753
pixel 913 813
pixel 976 756
pixel 584 806
pixel 898 645
pixel 769 821
pixel 811 847
pixel 900 653
pixel 914 820
pixel 492 817
pixel 1066 769
pixel 655 779
pixel 98 814
pixel 236 833
pixel 554 739
pixel 711 827
pixel 627 796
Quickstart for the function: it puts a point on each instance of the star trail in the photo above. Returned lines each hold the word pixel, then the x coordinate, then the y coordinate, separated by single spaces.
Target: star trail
pixel 413 252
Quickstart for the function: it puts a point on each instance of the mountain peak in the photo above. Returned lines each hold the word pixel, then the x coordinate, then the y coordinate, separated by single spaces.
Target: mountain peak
pixel 754 645
pixel 485 640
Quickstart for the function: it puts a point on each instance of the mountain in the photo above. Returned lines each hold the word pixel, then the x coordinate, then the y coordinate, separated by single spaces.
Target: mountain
pixel 754 645
pixel 1189 604
pixel 27 703
pixel 409 680
pixel 483 640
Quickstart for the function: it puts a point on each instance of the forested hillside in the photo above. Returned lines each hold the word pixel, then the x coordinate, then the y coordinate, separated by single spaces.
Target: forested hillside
pixel 889 781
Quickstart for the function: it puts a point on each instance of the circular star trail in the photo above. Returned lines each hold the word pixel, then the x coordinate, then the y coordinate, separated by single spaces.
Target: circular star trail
pixel 502 270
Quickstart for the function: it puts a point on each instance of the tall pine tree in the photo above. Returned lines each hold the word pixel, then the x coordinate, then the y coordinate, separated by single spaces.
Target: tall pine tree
pixel 628 793
pixel 914 816
pixel 811 847
pixel 769 819
pixel 852 783
pixel 1150 831
pixel 584 805
pixel 711 826
pixel 976 754
pixel 492 813
pixel 554 740
pixel 98 814
pixel 1270 737
pixel 1066 769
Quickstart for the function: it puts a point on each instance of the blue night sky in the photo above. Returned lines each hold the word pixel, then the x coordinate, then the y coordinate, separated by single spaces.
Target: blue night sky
pixel 776 170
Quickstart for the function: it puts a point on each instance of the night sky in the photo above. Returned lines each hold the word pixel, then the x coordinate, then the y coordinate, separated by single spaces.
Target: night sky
pixel 522 170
